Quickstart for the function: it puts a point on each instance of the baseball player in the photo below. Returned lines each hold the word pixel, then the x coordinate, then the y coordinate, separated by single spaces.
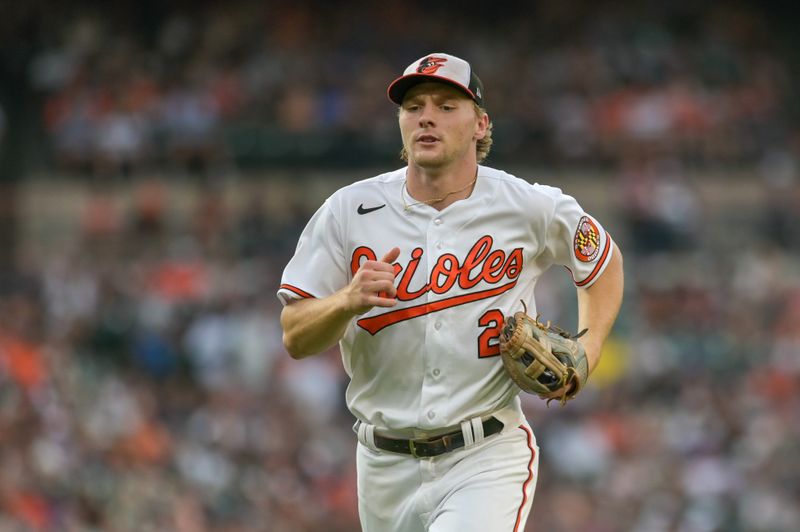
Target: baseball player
pixel 412 272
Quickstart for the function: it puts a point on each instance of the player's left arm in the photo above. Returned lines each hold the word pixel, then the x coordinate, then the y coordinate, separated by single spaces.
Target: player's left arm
pixel 598 306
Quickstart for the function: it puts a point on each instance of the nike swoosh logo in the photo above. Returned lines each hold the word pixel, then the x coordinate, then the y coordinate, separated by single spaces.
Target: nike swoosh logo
pixel 362 210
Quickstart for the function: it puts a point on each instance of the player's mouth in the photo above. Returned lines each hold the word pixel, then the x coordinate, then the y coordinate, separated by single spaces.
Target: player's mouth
pixel 427 139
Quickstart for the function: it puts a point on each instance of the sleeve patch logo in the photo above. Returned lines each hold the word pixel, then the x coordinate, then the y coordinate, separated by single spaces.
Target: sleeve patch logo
pixel 587 240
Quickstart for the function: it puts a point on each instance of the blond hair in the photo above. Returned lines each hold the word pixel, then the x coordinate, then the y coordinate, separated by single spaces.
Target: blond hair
pixel 483 146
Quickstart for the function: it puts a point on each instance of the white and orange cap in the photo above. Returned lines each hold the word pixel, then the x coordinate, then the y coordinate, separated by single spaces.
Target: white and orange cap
pixel 444 68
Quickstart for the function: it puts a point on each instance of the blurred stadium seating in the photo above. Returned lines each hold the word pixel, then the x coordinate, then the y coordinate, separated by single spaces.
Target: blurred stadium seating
pixel 165 159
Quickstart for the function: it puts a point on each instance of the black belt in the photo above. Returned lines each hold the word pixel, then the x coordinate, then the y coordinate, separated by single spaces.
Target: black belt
pixel 434 446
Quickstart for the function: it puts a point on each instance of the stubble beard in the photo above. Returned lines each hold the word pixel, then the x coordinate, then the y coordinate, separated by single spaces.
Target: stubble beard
pixel 429 160
pixel 432 159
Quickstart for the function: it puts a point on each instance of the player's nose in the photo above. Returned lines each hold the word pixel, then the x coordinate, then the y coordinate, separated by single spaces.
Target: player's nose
pixel 426 116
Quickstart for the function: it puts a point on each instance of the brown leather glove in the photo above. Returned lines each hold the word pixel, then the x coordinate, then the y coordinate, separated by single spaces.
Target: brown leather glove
pixel 543 359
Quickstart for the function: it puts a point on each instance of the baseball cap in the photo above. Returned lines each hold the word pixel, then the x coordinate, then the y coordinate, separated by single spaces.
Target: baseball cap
pixel 444 68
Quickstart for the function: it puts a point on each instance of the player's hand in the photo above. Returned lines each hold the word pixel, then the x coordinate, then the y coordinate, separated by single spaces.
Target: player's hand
pixel 373 285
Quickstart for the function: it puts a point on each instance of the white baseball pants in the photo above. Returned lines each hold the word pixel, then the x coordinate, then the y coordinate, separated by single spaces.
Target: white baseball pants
pixel 487 486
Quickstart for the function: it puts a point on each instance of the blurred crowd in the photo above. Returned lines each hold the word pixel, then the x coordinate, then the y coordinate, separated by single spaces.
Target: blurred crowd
pixel 144 386
pixel 143 382
pixel 253 82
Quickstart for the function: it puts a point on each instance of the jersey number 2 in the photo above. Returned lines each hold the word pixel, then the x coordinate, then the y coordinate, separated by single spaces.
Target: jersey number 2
pixel 488 341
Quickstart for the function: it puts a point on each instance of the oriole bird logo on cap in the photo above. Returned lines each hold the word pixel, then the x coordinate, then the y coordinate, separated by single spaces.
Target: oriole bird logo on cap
pixel 431 64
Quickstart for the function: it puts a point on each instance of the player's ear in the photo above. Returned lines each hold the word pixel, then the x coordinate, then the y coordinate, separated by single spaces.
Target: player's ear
pixel 481 125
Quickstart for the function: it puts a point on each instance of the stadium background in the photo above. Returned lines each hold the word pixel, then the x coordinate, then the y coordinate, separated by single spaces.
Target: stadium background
pixel 157 163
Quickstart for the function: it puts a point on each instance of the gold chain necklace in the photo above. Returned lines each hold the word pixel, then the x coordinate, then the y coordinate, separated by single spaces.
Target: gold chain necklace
pixel 407 206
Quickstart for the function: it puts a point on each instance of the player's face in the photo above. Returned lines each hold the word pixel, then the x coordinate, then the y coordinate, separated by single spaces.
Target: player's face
pixel 439 125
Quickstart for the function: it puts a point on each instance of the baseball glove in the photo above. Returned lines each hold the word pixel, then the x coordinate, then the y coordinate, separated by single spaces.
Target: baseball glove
pixel 543 359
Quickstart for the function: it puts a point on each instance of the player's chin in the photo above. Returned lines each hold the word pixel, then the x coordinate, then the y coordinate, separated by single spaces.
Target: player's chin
pixel 427 158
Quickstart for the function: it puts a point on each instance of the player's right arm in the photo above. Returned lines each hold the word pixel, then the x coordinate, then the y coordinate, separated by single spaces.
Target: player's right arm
pixel 312 325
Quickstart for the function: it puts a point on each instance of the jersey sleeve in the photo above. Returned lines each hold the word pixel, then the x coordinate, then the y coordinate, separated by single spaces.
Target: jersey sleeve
pixel 317 268
pixel 577 241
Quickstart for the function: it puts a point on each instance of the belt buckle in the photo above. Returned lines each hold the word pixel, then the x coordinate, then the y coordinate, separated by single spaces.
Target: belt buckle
pixel 447 442
pixel 413 449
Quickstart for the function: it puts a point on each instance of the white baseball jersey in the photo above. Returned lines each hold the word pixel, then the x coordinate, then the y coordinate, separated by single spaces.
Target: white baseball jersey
pixel 433 361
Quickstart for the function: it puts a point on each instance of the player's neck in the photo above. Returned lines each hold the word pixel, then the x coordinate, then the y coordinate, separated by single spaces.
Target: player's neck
pixel 424 185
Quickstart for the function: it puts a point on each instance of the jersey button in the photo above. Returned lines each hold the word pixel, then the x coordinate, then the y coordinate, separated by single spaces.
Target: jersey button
pixel 438 221
pixel 431 414
pixel 436 372
pixel 438 245
pixel 437 325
